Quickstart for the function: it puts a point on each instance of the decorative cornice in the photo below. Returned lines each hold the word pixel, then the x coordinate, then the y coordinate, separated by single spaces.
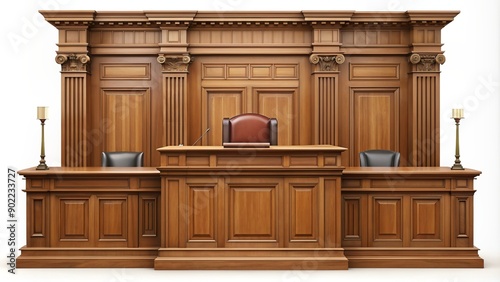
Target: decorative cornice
pixel 174 63
pixel 427 62
pixel 74 62
pixel 327 63
pixel 245 18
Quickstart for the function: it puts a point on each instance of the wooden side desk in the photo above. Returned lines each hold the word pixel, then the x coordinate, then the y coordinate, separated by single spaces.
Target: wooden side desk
pixel 91 217
pixel 409 217
pixel 212 208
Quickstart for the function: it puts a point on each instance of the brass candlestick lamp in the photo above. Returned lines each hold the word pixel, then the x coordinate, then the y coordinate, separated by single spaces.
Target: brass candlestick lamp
pixel 42 114
pixel 457 115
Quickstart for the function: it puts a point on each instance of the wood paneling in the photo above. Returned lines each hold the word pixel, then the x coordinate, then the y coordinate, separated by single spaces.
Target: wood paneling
pixel 113 213
pixel 127 112
pixel 284 213
pixel 386 221
pixel 179 56
pixel 127 96
pixel 413 216
pixel 427 216
pixel 252 212
pixel 220 103
pixel 374 120
pixel 233 88
pixel 73 219
pixel 279 199
pixel 201 213
pixel 304 210
pixel 281 104
pixel 113 219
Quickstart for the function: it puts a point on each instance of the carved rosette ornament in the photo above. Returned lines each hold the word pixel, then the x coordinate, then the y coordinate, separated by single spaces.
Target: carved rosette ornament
pixel 327 62
pixel 74 62
pixel 174 63
pixel 427 62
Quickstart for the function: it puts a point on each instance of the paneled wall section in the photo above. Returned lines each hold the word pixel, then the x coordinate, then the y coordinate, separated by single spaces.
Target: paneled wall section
pixel 142 80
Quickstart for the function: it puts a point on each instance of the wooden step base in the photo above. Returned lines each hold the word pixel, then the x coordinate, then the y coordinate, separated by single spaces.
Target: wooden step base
pixel 251 259
pixel 414 257
pixel 87 258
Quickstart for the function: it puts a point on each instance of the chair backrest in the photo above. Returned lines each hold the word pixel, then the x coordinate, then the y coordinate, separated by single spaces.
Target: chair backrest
pixel 379 158
pixel 125 159
pixel 250 128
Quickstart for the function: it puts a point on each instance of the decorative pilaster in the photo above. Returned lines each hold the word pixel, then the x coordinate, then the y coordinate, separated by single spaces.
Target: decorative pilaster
pixel 325 79
pixel 74 85
pixel 424 79
pixel 175 70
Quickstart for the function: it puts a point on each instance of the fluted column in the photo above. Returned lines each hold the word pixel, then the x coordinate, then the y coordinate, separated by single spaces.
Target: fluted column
pixel 174 85
pixel 325 80
pixel 424 109
pixel 74 87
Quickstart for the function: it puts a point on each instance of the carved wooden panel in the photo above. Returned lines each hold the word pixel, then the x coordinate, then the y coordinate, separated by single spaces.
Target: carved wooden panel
pixel 201 213
pixel 279 103
pixel 379 72
pixel 427 220
pixel 113 219
pixel 149 220
pixel 126 96
pixel 462 221
pixel 352 221
pixel 116 71
pixel 122 38
pixel 73 219
pixel 304 211
pixel 374 121
pixel 223 37
pixel 252 212
pixel 426 35
pixel 374 37
pixel 220 103
pixel 37 220
pixel 127 111
pixel 386 217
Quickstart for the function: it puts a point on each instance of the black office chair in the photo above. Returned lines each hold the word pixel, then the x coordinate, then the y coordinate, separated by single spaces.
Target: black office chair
pixel 124 159
pixel 250 128
pixel 379 158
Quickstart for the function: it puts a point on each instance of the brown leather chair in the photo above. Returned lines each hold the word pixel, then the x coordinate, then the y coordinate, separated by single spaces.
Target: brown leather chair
pixel 379 158
pixel 250 128
pixel 122 159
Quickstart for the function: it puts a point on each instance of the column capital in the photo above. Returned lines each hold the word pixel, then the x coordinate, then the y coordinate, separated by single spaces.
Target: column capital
pixel 174 63
pixel 327 63
pixel 427 62
pixel 73 62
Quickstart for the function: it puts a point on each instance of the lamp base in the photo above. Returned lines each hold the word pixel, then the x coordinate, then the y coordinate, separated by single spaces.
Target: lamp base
pixel 457 167
pixel 42 166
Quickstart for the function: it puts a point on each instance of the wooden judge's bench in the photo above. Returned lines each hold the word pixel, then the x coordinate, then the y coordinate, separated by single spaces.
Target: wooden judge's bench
pixel 149 81
pixel 284 207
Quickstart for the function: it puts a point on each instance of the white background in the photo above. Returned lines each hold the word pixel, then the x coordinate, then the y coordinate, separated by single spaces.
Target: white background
pixel 469 79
